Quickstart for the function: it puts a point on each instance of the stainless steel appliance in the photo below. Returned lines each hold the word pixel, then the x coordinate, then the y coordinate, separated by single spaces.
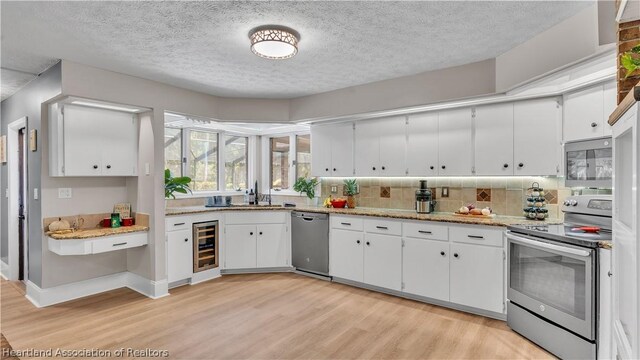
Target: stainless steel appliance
pixel 552 287
pixel 424 199
pixel 589 163
pixel 310 242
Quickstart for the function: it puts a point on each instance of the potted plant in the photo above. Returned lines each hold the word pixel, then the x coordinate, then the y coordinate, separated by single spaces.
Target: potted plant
pixel 351 189
pixel 174 185
pixel 307 186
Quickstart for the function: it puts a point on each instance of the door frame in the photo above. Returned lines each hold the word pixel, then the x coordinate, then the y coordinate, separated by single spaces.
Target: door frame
pixel 13 179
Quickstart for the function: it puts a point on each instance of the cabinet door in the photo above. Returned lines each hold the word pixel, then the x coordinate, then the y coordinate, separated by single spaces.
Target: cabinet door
pixel 455 146
pixel 393 140
pixel 272 246
pixel 425 268
pixel 383 261
pixel 119 135
pixel 179 255
pixel 342 148
pixel 610 103
pixel 240 246
pixel 536 139
pixel 346 254
pixel 584 114
pixel 321 150
pixel 494 139
pixel 477 276
pixel 368 148
pixel 422 144
pixel 82 141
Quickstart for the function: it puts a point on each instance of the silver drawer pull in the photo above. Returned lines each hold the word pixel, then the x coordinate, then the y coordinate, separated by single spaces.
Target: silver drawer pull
pixel 475 236
pixel 424 232
pixel 345 224
pixel 120 244
pixel 178 224
pixel 382 227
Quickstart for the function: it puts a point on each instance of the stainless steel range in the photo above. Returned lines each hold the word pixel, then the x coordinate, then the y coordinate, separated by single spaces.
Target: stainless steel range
pixel 553 278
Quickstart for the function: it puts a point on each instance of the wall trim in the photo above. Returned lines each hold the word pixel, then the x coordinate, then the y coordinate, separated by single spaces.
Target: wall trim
pixel 4 270
pixel 67 292
pixel 257 271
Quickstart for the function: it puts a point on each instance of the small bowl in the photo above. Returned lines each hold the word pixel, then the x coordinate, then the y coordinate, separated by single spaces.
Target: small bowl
pixel 338 204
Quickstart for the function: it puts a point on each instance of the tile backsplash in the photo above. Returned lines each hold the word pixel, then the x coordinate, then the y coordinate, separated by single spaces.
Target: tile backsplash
pixel 505 195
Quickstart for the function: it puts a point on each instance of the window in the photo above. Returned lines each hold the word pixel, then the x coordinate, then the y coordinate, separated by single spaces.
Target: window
pixel 279 160
pixel 173 151
pixel 203 160
pixel 235 162
pixel 303 156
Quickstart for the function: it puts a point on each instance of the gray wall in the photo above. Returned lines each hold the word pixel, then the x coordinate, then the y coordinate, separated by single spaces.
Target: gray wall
pixel 28 102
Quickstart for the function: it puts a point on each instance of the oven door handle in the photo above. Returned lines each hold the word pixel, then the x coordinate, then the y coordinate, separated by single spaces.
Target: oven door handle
pixel 547 246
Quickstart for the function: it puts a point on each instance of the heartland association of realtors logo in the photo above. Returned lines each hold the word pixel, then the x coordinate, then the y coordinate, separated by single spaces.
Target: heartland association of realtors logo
pixel 86 353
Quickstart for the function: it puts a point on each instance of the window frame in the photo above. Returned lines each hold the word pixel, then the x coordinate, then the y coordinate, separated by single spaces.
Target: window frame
pixel 266 162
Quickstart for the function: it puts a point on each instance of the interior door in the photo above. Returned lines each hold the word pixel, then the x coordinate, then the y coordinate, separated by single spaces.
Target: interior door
pixel 368 148
pixel 22 198
pixel 494 140
pixel 425 268
pixel 422 144
pixel 347 257
pixel 536 129
pixel 82 141
pixel 393 141
pixel 240 247
pixel 119 134
pixel 272 245
pixel 383 261
pixel 455 142
pixel 342 150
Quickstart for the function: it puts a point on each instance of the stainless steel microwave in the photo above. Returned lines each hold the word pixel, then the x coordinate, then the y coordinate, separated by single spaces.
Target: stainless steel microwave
pixel 589 163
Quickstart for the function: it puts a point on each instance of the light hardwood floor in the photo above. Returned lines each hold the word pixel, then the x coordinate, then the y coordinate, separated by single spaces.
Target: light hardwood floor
pixel 262 316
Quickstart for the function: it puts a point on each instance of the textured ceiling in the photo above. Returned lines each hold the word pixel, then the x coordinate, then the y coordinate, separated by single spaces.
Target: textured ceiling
pixel 204 45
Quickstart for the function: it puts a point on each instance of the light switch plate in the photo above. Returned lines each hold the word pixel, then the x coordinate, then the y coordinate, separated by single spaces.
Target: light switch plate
pixel 64 193
pixel 35 193
pixel 147 169
pixel 445 192
pixel 334 189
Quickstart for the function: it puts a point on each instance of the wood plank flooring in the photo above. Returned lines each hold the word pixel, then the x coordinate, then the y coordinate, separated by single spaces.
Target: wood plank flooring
pixel 262 316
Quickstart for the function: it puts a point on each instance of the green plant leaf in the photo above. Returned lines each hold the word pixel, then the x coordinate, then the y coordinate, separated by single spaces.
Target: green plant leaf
pixel 627 61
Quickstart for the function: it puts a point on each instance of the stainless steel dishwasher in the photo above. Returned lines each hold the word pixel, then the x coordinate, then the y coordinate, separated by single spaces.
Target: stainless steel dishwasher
pixel 310 242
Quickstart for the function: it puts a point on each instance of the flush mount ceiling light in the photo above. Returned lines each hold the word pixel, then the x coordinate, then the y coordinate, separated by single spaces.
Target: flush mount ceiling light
pixel 274 42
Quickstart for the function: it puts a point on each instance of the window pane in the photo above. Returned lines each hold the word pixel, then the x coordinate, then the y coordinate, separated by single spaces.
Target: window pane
pixel 173 151
pixel 280 162
pixel 235 162
pixel 203 160
pixel 303 156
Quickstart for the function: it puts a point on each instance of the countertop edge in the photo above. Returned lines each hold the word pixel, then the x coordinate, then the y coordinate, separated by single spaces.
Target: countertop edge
pixel 89 234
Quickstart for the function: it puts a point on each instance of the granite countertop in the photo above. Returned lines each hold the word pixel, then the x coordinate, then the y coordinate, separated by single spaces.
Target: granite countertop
pixel 384 213
pixel 97 232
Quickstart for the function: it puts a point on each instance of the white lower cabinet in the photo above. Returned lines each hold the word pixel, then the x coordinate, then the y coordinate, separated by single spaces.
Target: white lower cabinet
pixel 476 276
pixel 425 268
pixel 179 255
pixel 383 261
pixel 271 245
pixel 240 247
pixel 346 258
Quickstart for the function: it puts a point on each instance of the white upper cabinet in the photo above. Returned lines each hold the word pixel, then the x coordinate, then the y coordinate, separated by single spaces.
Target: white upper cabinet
pixel 587 111
pixel 494 139
pixel 537 147
pixel 87 141
pixel 332 149
pixel 455 142
pixel 380 147
pixel 422 144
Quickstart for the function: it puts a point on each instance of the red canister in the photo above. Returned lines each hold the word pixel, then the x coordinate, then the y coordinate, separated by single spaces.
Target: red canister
pixel 106 222
pixel 127 221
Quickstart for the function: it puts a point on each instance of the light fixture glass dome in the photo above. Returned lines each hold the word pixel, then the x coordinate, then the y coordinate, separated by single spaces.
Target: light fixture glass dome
pixel 274 42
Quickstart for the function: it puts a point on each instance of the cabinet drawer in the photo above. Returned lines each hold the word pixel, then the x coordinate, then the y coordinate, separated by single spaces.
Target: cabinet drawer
pixel 114 243
pixel 256 217
pixel 346 222
pixel 380 226
pixel 476 235
pixel 175 223
pixel 426 230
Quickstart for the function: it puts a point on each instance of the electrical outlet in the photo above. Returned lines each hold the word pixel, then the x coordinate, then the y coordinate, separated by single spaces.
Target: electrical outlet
pixel 64 193
pixel 334 189
pixel 445 192
pixel 35 193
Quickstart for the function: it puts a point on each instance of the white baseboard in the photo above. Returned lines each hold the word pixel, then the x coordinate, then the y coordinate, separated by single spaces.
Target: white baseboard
pixel 206 275
pixel 58 294
pixel 4 270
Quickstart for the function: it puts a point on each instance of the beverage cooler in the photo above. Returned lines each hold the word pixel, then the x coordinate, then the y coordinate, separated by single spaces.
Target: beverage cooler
pixel 205 246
